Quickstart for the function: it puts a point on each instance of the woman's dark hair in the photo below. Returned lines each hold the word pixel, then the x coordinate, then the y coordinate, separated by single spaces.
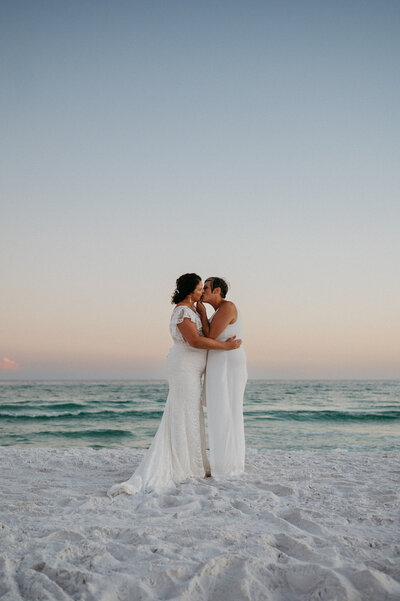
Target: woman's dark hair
pixel 218 283
pixel 185 284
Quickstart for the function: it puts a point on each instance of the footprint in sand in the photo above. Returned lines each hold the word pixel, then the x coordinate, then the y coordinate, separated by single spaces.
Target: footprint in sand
pixel 294 548
pixel 296 518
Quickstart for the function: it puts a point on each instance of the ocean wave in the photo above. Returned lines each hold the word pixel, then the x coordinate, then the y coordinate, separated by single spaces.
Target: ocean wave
pixel 320 415
pixel 106 413
pixel 105 433
pixel 325 415
pixel 156 414
pixel 56 406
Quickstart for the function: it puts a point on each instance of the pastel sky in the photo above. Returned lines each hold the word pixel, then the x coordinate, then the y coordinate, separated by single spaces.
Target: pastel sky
pixel 255 140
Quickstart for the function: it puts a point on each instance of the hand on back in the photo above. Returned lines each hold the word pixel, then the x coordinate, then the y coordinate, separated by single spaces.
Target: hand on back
pixel 232 343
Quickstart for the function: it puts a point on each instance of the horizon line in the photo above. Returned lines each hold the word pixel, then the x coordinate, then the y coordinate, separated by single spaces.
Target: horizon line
pixel 264 379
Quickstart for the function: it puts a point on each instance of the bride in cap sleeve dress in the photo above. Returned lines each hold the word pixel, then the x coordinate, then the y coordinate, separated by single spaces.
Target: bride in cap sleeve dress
pixel 225 382
pixel 178 450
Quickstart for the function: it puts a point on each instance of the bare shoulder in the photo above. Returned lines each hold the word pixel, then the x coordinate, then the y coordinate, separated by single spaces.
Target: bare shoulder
pixel 228 307
pixel 229 311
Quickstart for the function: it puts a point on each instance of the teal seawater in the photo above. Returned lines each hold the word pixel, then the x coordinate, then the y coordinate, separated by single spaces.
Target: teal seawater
pixel 306 414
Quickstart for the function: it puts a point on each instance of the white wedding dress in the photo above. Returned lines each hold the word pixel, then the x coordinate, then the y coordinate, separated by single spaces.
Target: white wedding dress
pixel 178 450
pixel 225 381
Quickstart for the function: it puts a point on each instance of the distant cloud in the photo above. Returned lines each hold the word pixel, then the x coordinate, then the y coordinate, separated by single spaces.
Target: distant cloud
pixel 8 365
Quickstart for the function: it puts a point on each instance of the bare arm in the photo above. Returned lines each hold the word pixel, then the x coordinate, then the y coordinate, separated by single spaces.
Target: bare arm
pixel 188 330
pixel 225 315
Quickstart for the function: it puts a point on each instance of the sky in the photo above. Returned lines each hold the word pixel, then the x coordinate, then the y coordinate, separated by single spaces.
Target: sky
pixel 253 140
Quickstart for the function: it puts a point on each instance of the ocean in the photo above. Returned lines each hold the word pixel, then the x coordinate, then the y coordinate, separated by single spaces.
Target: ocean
pixel 287 415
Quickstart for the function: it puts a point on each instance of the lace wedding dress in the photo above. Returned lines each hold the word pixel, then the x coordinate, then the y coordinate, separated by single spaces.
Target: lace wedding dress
pixel 225 381
pixel 178 448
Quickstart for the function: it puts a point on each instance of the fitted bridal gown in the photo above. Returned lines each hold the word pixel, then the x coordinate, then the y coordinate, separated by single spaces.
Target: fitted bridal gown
pixel 178 448
pixel 225 381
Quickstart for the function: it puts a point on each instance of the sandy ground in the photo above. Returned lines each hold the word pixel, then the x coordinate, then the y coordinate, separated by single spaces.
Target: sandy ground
pixel 298 526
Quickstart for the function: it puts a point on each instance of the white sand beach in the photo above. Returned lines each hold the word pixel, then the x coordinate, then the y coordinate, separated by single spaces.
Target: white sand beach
pixel 298 526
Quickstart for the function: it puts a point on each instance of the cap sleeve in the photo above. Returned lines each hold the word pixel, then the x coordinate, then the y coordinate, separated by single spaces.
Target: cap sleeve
pixel 182 313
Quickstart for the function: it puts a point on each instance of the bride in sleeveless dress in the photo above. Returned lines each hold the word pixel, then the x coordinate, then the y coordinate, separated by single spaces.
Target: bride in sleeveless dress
pixel 225 381
pixel 178 450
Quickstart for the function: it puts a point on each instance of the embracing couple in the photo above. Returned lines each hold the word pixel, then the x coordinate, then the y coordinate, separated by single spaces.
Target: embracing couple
pixel 202 347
